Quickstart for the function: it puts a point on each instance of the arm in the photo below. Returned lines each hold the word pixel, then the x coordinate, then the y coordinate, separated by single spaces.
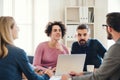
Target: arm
pixel 101 49
pixel 37 57
pixel 26 68
pixel 66 51
pixel 73 48
pixel 108 68
pixel 62 48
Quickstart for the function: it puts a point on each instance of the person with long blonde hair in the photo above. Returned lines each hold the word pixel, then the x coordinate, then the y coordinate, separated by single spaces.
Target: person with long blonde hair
pixel 13 60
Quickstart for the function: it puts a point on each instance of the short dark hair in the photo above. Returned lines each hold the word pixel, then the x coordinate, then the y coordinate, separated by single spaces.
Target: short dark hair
pixel 83 26
pixel 50 25
pixel 113 20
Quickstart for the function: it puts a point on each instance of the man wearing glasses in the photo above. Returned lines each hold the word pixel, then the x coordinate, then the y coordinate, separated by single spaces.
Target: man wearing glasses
pixel 110 68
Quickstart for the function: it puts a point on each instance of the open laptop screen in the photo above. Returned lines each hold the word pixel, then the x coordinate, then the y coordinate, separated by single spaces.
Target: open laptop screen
pixel 67 63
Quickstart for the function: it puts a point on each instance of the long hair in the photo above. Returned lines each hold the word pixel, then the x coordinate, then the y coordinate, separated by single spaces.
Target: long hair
pixel 6 24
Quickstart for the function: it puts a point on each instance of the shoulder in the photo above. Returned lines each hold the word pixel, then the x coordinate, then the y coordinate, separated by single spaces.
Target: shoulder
pixel 115 48
pixel 75 43
pixel 114 52
pixel 14 49
pixel 95 41
pixel 42 44
pixel 16 52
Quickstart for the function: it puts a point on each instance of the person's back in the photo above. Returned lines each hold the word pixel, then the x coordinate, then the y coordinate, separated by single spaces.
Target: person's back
pixel 111 64
pixel 9 66
pixel 16 62
pixel 13 60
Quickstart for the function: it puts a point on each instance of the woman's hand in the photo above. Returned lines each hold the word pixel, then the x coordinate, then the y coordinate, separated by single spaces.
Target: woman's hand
pixel 54 69
pixel 40 72
pixel 49 72
pixel 59 47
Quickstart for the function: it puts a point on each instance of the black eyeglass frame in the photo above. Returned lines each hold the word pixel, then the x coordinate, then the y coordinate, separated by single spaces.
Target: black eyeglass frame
pixel 104 25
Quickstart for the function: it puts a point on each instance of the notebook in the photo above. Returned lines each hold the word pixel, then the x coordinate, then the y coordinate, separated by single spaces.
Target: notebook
pixel 67 63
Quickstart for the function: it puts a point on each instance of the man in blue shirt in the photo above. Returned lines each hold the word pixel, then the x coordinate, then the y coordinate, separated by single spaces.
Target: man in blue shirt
pixel 93 49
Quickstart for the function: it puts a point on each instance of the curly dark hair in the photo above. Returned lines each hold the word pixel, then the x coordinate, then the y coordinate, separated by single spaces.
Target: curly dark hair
pixel 50 25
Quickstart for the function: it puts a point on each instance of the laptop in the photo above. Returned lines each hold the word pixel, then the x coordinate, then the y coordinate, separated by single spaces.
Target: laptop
pixel 67 63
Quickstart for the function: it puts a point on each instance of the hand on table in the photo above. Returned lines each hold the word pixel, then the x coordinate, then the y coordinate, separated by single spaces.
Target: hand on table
pixel 73 73
pixel 65 77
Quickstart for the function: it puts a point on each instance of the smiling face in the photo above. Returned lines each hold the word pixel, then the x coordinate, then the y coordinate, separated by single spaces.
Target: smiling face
pixel 56 33
pixel 82 36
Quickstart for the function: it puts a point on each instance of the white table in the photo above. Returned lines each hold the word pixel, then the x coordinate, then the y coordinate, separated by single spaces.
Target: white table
pixel 57 78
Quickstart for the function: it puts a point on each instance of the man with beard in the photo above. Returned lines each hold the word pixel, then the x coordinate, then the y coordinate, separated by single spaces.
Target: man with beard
pixel 93 49
pixel 110 68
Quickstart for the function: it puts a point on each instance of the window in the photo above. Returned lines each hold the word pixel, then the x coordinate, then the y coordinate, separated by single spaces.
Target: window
pixel 21 10
pixel 29 18
pixel 23 15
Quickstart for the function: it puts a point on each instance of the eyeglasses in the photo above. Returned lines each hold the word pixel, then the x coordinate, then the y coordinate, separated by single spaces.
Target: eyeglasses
pixel 104 25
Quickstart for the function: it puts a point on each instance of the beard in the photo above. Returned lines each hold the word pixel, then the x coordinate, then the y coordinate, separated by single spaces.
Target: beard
pixel 109 36
pixel 83 43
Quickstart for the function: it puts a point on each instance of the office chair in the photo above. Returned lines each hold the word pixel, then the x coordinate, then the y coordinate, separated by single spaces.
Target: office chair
pixel 30 59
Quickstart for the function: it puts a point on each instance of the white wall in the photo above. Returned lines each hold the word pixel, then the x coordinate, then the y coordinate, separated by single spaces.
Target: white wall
pixel 101 9
pixel 1 7
pixel 56 10
pixel 41 13
pixel 113 5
